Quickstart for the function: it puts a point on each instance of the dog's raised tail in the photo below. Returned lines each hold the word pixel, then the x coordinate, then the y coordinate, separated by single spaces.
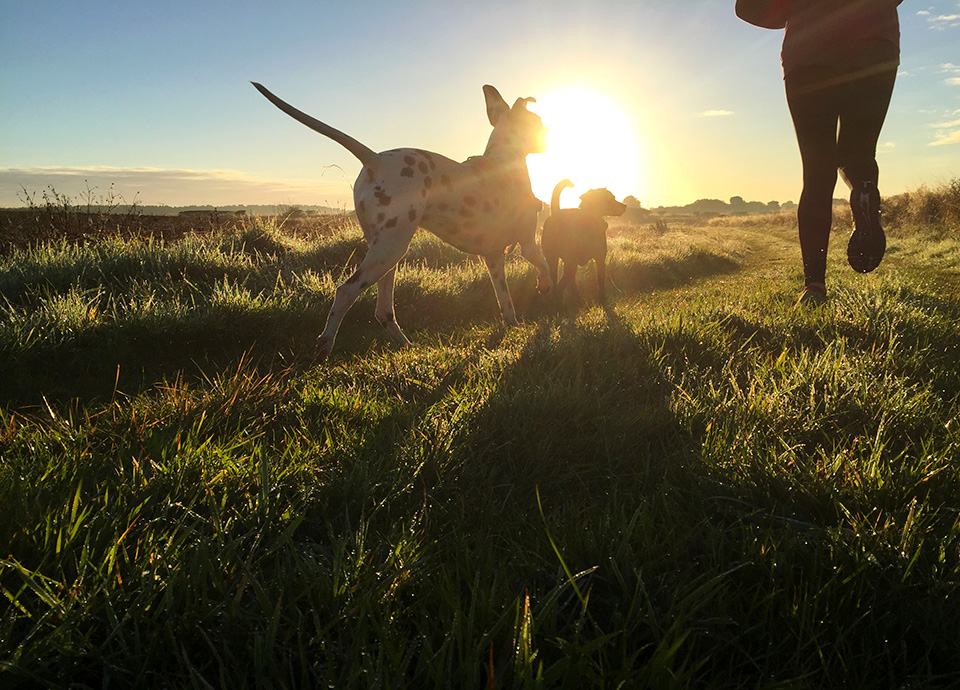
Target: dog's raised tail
pixel 555 199
pixel 366 155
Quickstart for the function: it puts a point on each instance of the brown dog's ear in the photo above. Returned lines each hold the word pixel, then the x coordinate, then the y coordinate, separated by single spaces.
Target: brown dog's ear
pixel 496 106
pixel 522 102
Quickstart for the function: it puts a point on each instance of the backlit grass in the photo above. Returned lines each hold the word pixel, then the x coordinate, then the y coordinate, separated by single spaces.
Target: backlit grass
pixel 698 486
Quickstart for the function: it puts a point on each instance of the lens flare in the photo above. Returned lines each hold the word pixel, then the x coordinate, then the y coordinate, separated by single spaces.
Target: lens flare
pixel 591 143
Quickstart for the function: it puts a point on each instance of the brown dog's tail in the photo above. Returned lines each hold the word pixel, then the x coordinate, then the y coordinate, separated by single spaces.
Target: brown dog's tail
pixel 555 199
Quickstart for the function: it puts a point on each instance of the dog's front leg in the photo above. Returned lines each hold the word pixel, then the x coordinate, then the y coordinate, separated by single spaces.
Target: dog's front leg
pixel 601 266
pixel 498 275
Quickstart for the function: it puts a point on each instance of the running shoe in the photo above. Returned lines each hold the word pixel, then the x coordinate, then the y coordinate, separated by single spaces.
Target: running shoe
pixel 867 243
pixel 813 295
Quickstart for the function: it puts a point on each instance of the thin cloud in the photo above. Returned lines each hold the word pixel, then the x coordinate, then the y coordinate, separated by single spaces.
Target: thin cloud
pixel 942 21
pixel 946 133
pixel 715 113
pixel 950 68
pixel 164 186
pixel 944 138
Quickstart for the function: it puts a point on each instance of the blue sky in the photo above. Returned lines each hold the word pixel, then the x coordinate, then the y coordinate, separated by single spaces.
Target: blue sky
pixel 155 98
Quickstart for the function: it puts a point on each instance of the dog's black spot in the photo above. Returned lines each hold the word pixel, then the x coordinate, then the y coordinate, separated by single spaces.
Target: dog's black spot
pixel 369 175
pixel 427 182
pixel 423 167
pixel 406 172
pixel 392 223
pixel 469 200
pixel 380 217
pixel 412 215
pixel 445 180
pixel 466 213
pixel 361 207
pixel 409 160
pixel 382 197
pixel 423 193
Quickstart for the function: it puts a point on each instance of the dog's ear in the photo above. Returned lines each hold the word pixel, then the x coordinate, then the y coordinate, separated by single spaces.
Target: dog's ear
pixel 522 102
pixel 496 106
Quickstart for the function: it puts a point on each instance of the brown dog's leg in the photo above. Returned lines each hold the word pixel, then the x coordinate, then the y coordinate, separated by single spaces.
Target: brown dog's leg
pixel 568 278
pixel 553 265
pixel 601 264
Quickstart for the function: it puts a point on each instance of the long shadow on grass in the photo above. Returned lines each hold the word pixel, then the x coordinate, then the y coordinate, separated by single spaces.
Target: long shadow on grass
pixel 581 409
pixel 576 462
pixel 579 421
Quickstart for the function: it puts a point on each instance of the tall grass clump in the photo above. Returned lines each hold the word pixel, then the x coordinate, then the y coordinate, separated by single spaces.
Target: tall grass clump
pixel 926 209
pixel 56 216
pixel 697 485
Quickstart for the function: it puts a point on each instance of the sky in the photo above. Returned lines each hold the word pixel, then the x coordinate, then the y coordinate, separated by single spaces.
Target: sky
pixel 152 102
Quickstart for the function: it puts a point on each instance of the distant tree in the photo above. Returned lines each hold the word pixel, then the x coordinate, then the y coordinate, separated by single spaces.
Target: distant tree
pixel 706 206
pixel 632 202
pixel 773 206
pixel 737 201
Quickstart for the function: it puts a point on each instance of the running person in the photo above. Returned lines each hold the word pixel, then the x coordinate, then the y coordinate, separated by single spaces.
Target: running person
pixel 840 60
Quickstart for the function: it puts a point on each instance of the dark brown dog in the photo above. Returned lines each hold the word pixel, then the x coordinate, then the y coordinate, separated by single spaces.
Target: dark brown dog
pixel 577 235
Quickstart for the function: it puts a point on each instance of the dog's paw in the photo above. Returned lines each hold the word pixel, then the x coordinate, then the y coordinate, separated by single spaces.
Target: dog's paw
pixel 323 349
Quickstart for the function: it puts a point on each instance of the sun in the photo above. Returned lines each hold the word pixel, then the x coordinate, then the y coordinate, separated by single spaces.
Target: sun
pixel 590 142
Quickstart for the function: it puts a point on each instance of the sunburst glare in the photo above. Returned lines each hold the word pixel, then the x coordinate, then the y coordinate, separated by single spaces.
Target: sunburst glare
pixel 591 143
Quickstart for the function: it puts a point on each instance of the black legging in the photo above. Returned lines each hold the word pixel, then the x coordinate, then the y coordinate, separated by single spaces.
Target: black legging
pixel 819 99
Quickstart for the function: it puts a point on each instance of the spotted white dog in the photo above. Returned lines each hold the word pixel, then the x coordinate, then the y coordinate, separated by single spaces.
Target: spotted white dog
pixel 482 206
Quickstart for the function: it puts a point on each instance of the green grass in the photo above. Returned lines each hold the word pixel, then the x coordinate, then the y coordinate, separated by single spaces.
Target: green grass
pixel 700 486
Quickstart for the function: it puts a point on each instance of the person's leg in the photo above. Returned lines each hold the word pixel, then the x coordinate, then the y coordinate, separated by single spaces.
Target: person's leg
pixel 863 108
pixel 815 115
pixel 862 112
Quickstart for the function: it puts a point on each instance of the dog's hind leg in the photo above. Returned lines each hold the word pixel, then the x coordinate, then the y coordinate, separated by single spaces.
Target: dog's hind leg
pixel 553 263
pixel 498 275
pixel 381 259
pixel 531 252
pixel 385 311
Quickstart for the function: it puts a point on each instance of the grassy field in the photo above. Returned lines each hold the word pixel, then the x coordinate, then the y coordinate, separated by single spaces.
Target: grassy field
pixel 701 486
